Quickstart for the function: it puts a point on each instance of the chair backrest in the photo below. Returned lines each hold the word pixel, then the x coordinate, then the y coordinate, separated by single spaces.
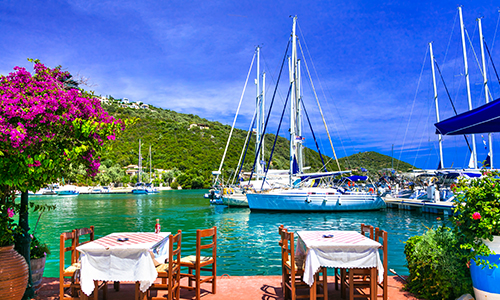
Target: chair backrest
pixel 381 237
pixel 174 256
pixel 202 242
pixel 289 250
pixel 63 248
pixel 367 229
pixel 281 231
pixel 81 238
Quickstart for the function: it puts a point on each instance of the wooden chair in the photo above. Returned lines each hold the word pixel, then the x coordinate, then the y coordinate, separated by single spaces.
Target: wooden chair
pixel 368 277
pixel 292 274
pixel 82 237
pixel 198 263
pixel 360 276
pixel 381 237
pixel 68 270
pixel 170 273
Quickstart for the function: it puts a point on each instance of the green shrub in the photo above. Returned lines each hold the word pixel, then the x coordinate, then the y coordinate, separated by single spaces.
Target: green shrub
pixel 437 269
pixel 174 185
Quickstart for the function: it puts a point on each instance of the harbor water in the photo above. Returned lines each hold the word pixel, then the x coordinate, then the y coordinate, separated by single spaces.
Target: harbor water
pixel 247 241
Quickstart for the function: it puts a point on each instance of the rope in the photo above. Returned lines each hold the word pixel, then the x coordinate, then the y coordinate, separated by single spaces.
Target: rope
pixel 244 155
pixel 236 116
pixel 270 108
pixel 412 106
pixel 276 137
pixel 245 147
pixel 492 63
pixel 319 106
pixel 324 96
pixel 451 101
pixel 314 137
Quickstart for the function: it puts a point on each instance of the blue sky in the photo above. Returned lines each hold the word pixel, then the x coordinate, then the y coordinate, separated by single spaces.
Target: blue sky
pixel 371 58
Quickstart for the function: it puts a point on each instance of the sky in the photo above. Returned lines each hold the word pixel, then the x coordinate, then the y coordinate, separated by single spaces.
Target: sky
pixel 369 63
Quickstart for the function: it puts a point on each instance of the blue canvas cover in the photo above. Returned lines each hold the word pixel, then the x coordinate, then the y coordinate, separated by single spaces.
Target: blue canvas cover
pixel 483 119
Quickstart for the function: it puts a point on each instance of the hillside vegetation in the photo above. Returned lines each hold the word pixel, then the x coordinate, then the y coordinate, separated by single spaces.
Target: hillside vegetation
pixel 196 150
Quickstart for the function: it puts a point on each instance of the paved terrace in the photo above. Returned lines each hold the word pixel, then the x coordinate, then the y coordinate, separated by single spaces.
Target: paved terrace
pixel 234 287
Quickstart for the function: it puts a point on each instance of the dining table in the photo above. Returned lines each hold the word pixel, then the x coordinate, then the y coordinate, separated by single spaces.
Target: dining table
pixel 122 257
pixel 337 249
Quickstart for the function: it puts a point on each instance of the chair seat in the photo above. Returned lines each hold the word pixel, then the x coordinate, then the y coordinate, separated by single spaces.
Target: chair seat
pixel 297 267
pixel 164 267
pixel 73 268
pixel 191 259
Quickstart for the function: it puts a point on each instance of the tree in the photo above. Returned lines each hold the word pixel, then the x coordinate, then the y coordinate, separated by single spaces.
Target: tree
pixel 46 124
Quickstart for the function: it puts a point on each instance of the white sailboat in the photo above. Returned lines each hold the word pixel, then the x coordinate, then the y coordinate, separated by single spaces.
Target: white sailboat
pixel 141 187
pixel 298 196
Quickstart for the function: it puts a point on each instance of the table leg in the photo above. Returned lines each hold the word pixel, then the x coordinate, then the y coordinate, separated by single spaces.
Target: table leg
pixel 116 285
pixel 373 283
pixel 343 273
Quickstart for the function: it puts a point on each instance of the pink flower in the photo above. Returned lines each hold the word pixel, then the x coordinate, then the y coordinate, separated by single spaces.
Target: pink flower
pixel 476 216
pixel 10 212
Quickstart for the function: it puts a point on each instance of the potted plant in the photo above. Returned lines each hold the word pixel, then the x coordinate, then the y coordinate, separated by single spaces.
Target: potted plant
pixel 477 225
pixel 38 250
pixel 13 267
pixel 38 254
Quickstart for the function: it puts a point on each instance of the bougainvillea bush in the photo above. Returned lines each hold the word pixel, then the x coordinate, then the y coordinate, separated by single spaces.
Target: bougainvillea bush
pixel 477 214
pixel 46 124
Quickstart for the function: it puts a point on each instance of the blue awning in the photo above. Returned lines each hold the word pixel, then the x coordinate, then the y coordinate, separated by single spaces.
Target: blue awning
pixel 483 119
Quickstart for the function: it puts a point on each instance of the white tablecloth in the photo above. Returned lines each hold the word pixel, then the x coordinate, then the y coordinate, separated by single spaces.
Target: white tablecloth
pixel 346 249
pixel 107 259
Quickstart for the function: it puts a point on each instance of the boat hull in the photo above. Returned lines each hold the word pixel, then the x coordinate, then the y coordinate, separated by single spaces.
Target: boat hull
pixel 308 202
pixel 235 200
pixel 68 193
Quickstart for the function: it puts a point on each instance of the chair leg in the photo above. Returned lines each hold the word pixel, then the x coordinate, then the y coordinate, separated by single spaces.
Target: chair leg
pixel 96 290
pixel 312 290
pixel 190 278
pixel 197 283
pixel 139 295
pixel 116 286
pixel 342 283
pixel 351 285
pixel 325 284
pixel 214 280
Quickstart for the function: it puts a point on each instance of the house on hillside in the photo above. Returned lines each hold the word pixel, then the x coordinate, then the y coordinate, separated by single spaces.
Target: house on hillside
pixel 201 126
pixel 131 170
pixel 125 100
pixel 103 100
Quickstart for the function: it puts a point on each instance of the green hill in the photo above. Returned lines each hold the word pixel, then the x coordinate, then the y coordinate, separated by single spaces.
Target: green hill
pixel 195 146
pixel 373 162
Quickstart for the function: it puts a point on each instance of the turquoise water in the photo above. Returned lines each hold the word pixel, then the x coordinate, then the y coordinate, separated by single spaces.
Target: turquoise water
pixel 247 241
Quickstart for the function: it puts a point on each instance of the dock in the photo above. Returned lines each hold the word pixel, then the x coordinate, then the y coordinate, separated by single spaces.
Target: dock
pixel 440 207
pixel 229 287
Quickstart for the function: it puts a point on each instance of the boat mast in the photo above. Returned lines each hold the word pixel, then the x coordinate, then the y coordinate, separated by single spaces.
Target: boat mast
pixel 466 70
pixel 140 163
pixel 259 103
pixel 294 105
pixel 440 137
pixel 486 90
pixel 150 178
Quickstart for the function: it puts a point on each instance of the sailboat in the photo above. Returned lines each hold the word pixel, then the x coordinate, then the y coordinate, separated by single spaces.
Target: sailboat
pixel 141 187
pixel 234 195
pixel 308 191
